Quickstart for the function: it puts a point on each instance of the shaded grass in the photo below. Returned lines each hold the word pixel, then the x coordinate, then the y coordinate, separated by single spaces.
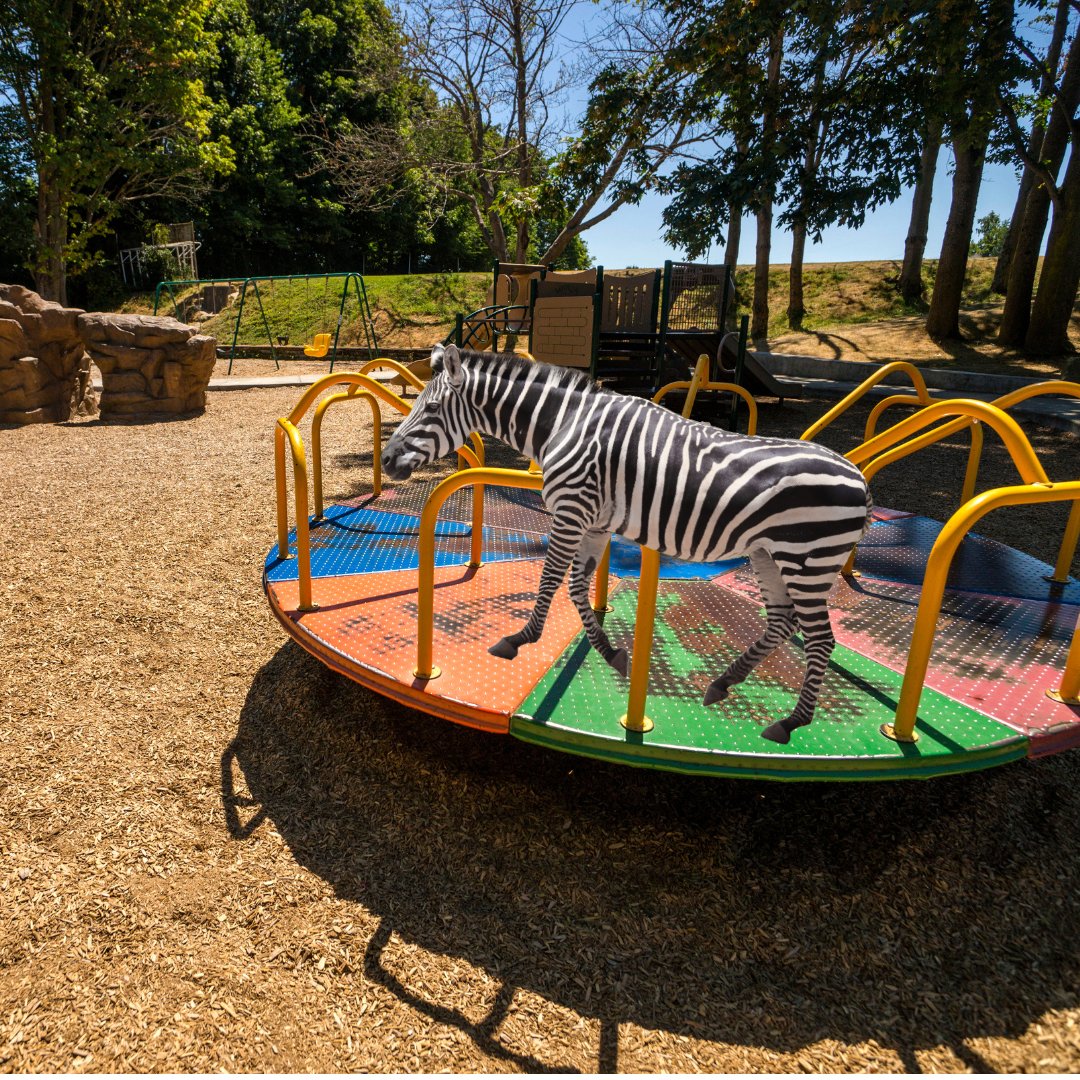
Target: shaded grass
pixel 853 293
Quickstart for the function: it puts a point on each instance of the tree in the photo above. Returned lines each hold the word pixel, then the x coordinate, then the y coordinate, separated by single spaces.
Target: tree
pixel 1060 125
pixel 848 134
pixel 992 233
pixel 973 44
pixel 910 282
pixel 102 104
pixel 1029 175
pixel 808 119
pixel 1051 312
pixel 494 139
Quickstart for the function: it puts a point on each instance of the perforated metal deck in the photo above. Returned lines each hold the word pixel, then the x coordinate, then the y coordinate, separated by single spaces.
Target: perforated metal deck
pixel 984 701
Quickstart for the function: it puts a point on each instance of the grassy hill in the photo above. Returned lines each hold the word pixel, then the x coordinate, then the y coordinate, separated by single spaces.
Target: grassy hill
pixel 853 311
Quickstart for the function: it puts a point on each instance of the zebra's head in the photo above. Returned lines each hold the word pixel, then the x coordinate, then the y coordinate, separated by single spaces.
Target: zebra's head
pixel 438 422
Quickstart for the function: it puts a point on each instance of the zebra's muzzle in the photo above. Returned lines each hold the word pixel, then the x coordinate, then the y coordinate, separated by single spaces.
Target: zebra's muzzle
pixel 399 466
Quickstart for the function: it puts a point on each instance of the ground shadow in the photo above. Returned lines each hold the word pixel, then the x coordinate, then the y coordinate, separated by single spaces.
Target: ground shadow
pixel 916 914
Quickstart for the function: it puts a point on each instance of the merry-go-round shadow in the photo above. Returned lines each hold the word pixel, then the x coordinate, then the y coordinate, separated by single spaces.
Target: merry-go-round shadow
pixel 777 915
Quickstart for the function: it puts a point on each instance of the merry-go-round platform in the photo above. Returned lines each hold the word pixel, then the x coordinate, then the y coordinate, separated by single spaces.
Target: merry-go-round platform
pixel 1001 642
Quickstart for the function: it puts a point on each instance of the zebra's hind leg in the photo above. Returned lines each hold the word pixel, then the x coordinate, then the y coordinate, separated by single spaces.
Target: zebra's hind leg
pixel 585 563
pixel 562 544
pixel 780 627
pixel 812 613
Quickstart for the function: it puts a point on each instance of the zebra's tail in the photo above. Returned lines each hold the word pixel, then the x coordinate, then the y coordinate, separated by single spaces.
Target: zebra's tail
pixel 869 510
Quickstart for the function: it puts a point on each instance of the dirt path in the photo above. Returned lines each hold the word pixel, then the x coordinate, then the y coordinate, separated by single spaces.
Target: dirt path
pixel 216 854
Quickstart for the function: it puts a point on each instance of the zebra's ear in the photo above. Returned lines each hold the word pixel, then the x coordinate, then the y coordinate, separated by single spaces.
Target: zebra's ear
pixel 451 362
pixel 436 357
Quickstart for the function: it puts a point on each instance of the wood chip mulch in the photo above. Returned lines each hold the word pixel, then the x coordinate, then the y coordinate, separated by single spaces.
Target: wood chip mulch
pixel 216 854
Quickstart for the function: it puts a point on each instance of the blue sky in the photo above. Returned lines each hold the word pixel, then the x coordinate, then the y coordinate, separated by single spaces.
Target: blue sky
pixel 632 236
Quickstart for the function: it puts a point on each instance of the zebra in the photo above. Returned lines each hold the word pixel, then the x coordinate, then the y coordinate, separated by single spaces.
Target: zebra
pixel 619 464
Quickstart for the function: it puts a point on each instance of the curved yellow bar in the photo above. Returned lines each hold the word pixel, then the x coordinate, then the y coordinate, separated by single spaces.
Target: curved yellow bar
pixel 933 588
pixel 467 455
pixel 887 403
pixel 1069 690
pixel 1068 546
pixel 346 378
pixel 352 394
pixel 693 387
pixel 1008 429
pixel 303 533
pixel 845 403
pixel 513 478
pixel 385 362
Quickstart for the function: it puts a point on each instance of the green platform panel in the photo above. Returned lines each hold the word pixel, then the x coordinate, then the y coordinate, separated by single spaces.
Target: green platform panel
pixel 700 629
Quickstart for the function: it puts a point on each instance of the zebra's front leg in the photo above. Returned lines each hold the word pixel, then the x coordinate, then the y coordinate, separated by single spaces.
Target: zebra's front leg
pixel 562 544
pixel 818 643
pixel 780 627
pixel 586 561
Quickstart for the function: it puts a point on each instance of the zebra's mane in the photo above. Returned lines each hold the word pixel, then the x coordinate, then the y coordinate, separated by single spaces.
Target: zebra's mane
pixel 517 368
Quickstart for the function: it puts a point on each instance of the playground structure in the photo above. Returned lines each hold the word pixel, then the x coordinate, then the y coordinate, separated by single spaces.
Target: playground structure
pixel 618 324
pixel 402 590
pixel 249 296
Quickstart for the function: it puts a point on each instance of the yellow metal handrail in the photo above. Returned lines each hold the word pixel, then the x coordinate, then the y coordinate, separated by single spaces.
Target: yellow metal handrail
pixel 700 381
pixel 1016 442
pixel 360 386
pixel 648 583
pixel 353 393
pixel 933 589
pixel 1005 402
pixel 285 428
pixel 403 372
pixel 864 387
pixel 635 719
pixel 1069 690
pixel 425 616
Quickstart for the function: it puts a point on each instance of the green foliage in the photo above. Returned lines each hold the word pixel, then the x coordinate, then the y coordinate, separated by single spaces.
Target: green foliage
pixel 103 102
pixel 991 233
pixel 17 198
pixel 297 310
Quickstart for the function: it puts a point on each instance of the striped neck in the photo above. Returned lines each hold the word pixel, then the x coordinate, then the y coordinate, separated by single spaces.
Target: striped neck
pixel 523 403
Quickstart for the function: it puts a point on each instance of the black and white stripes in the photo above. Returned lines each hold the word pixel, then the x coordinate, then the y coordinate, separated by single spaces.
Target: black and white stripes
pixel 619 464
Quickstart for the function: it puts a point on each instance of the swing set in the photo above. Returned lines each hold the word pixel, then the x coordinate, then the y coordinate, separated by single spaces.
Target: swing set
pixel 251 297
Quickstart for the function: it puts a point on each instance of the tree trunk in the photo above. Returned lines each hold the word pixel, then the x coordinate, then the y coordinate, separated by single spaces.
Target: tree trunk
pixel 731 253
pixel 1016 315
pixel 522 107
pixel 1052 311
pixel 50 230
pixel 795 308
pixel 759 322
pixel 943 318
pixel 911 283
pixel 1000 284
pixel 734 236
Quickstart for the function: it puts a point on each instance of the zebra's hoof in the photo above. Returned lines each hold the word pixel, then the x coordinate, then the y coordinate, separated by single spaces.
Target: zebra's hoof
pixel 777 733
pixel 716 692
pixel 620 661
pixel 504 648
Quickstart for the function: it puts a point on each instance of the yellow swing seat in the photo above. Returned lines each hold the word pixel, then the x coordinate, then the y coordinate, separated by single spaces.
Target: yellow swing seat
pixel 319 346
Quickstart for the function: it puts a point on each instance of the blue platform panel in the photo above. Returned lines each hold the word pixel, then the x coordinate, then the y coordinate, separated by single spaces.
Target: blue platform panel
pixel 358 540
